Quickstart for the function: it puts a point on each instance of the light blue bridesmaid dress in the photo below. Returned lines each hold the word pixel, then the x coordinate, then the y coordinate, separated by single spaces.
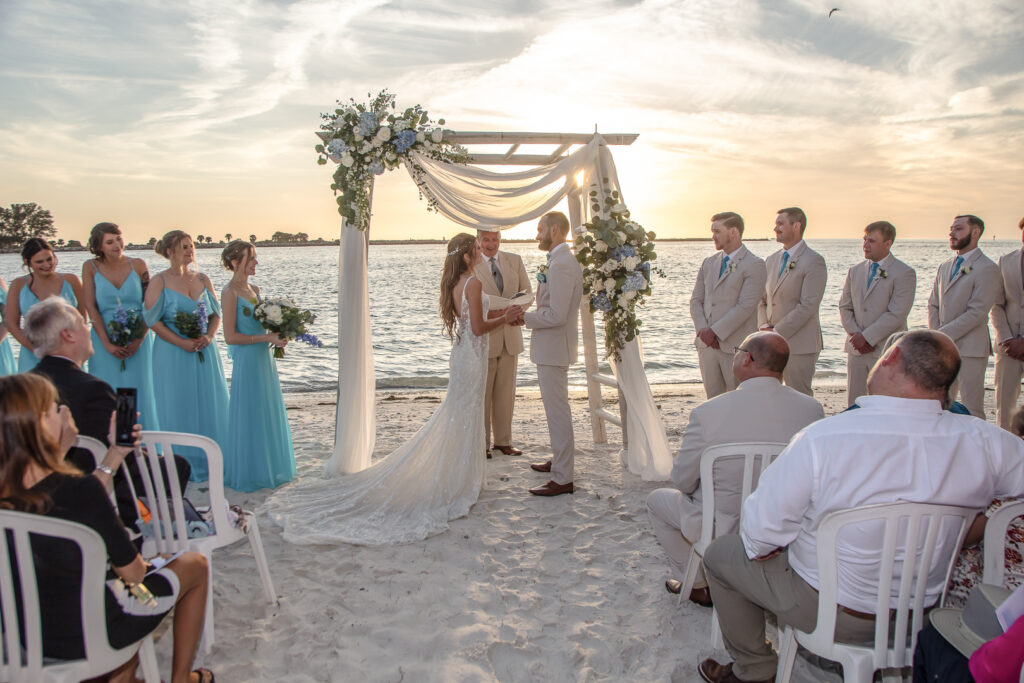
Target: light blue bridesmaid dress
pixel 138 370
pixel 259 452
pixel 7 366
pixel 26 300
pixel 191 395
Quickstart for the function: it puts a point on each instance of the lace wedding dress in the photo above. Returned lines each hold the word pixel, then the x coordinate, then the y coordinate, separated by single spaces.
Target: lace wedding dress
pixel 434 477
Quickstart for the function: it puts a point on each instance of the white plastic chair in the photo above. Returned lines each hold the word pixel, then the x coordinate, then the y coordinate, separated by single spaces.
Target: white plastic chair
pixel 906 525
pixel 995 541
pixel 170 534
pixel 27 665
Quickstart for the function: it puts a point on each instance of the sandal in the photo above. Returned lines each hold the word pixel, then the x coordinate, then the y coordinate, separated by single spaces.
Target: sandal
pixel 205 675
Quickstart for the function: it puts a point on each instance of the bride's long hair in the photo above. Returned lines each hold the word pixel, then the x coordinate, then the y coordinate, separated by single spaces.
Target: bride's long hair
pixel 454 266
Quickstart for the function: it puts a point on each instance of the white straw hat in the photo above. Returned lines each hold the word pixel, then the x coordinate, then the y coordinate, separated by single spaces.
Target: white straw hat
pixel 974 625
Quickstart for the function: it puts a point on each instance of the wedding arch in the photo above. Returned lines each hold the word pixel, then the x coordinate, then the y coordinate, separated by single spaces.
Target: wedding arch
pixel 450 179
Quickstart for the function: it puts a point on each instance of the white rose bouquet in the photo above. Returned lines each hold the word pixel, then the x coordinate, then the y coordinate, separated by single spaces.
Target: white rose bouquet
pixel 281 316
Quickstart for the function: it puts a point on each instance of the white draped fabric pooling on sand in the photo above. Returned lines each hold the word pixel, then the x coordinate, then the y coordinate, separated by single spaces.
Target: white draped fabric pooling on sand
pixel 477 198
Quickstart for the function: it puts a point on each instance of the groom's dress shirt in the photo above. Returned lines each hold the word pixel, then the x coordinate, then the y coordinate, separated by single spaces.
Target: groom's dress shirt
pixel 1008 320
pixel 790 306
pixel 892 449
pixel 876 307
pixel 959 306
pixel 725 300
pixel 759 409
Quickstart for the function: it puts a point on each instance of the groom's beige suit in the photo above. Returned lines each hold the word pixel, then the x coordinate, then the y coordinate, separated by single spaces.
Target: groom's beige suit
pixel 1008 320
pixel 553 348
pixel 503 348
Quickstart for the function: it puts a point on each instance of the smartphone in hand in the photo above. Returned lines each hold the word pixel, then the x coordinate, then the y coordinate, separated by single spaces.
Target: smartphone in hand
pixel 124 423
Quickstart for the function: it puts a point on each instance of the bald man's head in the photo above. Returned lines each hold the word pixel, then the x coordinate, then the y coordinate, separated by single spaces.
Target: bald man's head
pixel 762 354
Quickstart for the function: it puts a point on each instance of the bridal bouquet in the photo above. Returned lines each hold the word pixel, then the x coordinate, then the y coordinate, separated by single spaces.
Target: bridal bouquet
pixel 125 327
pixel 616 254
pixel 367 139
pixel 193 325
pixel 284 318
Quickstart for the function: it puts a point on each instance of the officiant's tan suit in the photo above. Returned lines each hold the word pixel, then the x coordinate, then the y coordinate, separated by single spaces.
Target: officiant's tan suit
pixel 553 347
pixel 959 307
pixel 875 310
pixel 790 307
pixel 504 346
pixel 1008 319
pixel 726 303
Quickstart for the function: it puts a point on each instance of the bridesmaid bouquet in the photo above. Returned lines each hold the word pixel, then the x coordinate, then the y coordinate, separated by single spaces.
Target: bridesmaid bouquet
pixel 283 317
pixel 193 325
pixel 124 328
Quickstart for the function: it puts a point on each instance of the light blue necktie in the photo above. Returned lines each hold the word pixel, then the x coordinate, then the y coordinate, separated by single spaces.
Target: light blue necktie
pixel 874 271
pixel 956 267
pixel 785 260
pixel 725 262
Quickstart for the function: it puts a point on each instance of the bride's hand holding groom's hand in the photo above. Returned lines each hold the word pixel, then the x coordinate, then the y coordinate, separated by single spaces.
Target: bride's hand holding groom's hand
pixel 514 315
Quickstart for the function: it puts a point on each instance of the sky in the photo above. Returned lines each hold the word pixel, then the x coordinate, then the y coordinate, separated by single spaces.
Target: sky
pixel 201 115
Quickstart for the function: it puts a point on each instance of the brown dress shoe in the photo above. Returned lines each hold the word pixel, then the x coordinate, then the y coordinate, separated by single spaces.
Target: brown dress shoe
pixel 508 450
pixel 713 672
pixel 552 489
pixel 701 596
pixel 674 587
pixel 488 453
pixel 542 467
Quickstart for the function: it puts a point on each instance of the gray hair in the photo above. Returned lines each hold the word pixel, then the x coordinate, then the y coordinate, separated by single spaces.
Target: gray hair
pixel 46 320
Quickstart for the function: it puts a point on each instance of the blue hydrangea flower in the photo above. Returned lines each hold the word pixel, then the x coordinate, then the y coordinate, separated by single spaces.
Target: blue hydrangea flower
pixel 635 282
pixel 405 140
pixel 367 125
pixel 335 149
pixel 645 268
pixel 376 167
pixel 601 302
pixel 619 253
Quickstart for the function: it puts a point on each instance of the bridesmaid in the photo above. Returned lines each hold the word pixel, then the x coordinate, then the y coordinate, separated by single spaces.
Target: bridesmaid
pixel 191 394
pixel 42 281
pixel 102 297
pixel 259 451
pixel 7 366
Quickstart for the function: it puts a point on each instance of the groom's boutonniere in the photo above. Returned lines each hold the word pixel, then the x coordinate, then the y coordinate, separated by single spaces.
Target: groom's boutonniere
pixel 883 273
pixel 542 274
pixel 791 266
pixel 732 267
pixel 965 270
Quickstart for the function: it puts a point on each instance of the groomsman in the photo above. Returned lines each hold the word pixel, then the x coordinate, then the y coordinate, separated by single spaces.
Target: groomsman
pixel 1008 319
pixel 965 289
pixel 502 274
pixel 724 302
pixel 796 278
pixel 553 347
pixel 876 300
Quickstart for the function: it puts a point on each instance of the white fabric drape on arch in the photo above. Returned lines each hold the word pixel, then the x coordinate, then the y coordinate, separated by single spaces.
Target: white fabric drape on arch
pixel 476 198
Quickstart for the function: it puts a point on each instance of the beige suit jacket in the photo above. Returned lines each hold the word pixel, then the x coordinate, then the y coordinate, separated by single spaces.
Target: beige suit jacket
pixel 1008 311
pixel 507 338
pixel 791 300
pixel 728 304
pixel 960 307
pixel 555 322
pixel 759 409
pixel 881 308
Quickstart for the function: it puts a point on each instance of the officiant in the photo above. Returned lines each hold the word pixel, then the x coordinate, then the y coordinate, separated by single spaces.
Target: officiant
pixel 502 274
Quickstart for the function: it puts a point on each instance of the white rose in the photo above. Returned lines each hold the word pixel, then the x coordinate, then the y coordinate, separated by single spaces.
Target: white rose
pixel 274 315
pixel 609 284
pixel 384 134
pixel 621 235
pixel 631 262
pixel 437 135
pixel 627 296
pixel 391 156
pixel 619 208
pixel 347 161
pixel 357 135
pixel 420 137
pixel 609 265
pixel 601 246
pixel 365 147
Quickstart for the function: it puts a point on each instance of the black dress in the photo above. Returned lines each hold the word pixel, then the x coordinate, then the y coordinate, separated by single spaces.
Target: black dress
pixel 59 574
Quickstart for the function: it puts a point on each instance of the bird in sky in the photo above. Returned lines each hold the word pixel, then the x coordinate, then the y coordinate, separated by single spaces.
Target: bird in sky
pixel 832 11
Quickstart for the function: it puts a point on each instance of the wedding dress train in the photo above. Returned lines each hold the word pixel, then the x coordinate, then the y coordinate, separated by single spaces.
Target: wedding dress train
pixel 434 477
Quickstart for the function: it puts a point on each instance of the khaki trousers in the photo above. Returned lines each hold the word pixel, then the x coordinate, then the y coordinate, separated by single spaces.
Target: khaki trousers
pixel 716 370
pixel 857 368
pixel 500 399
pixel 554 393
pixel 669 510
pixel 970 384
pixel 799 372
pixel 1008 375
pixel 744 590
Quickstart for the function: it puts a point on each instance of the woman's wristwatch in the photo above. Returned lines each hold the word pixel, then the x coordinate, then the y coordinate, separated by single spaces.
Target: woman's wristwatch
pixel 105 469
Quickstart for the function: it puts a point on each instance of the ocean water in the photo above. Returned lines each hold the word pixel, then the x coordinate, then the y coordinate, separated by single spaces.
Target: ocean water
pixel 410 350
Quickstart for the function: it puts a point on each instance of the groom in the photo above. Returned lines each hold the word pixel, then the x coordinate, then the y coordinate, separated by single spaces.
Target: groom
pixel 553 343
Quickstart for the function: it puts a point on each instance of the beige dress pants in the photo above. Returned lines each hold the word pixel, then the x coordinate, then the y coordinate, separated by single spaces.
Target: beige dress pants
pixel 669 511
pixel 970 384
pixel 799 372
pixel 1008 375
pixel 716 370
pixel 554 393
pixel 500 399
pixel 857 368
pixel 744 590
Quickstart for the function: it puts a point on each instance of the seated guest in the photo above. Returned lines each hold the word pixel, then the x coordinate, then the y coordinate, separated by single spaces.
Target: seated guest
pixel 759 409
pixel 900 446
pixel 62 338
pixel 34 435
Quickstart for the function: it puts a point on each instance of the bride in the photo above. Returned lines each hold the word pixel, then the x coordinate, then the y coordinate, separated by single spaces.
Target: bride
pixel 436 475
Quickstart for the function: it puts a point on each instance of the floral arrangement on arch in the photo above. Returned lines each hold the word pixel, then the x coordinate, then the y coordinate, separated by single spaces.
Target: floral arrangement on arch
pixel 367 139
pixel 616 254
